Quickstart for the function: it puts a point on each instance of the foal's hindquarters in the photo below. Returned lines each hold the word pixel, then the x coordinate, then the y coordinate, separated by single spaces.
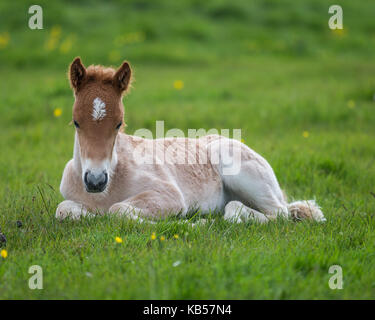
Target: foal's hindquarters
pixel 251 187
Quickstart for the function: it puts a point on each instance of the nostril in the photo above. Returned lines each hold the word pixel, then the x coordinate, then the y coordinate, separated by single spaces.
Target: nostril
pixel 102 180
pixel 85 178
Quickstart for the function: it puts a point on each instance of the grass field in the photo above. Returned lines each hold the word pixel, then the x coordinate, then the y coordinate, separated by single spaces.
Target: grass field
pixel 302 94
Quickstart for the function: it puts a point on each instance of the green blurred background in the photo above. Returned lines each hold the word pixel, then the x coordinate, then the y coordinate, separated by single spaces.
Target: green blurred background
pixel 271 68
pixel 186 32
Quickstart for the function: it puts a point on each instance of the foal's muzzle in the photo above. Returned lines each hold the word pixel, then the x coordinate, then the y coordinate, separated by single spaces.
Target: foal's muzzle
pixel 95 182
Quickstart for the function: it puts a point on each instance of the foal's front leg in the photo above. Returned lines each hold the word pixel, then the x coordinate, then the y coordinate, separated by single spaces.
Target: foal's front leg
pixel 71 209
pixel 150 204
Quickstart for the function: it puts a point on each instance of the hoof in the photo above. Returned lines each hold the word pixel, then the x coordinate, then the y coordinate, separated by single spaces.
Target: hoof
pixel 70 209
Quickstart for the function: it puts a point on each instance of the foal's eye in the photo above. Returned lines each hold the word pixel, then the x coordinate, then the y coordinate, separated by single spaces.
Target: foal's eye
pixel 76 124
pixel 119 125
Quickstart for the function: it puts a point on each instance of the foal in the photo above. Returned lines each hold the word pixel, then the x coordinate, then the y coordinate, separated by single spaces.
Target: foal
pixel 108 172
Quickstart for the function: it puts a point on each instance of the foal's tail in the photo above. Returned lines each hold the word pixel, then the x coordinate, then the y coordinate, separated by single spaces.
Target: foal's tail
pixel 305 209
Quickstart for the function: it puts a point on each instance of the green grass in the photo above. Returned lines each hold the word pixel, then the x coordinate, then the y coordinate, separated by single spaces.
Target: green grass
pixel 272 69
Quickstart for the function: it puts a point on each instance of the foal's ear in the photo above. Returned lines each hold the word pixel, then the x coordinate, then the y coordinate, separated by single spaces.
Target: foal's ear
pixel 77 73
pixel 122 77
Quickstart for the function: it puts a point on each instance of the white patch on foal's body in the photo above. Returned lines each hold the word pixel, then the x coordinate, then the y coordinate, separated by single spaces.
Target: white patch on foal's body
pixel 98 109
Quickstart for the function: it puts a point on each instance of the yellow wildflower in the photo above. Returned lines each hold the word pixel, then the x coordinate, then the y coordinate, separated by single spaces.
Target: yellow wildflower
pixel 4 253
pixel 57 112
pixel 305 134
pixel 114 56
pixel 351 104
pixel 66 45
pixel 153 236
pixel 54 38
pixel 4 40
pixel 55 31
pixel 162 238
pixel 339 32
pixel 178 84
pixel 129 38
pixel 118 240
pixel 175 236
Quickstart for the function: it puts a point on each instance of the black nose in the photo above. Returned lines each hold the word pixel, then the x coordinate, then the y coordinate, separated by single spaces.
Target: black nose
pixel 95 182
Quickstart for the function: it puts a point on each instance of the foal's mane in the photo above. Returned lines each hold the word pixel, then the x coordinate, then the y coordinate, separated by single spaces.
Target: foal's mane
pixel 105 75
pixel 100 73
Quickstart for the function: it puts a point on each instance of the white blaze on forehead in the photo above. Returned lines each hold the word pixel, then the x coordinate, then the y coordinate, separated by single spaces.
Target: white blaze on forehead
pixel 98 109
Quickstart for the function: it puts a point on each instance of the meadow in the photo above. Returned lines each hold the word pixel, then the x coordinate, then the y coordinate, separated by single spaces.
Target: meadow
pixel 302 94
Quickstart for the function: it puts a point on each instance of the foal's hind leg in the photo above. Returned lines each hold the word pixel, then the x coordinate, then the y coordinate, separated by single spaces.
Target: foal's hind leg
pixel 251 180
pixel 236 211
pixel 151 204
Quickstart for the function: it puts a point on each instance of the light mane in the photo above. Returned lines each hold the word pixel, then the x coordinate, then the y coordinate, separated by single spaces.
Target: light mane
pixel 100 73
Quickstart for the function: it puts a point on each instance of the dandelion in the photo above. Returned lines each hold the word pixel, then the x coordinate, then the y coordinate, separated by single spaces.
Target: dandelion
pixel 175 236
pixel 4 253
pixel 114 56
pixel 351 104
pixel 153 236
pixel 51 44
pixel 138 37
pixel 305 134
pixel 4 40
pixel 57 112
pixel 243 140
pixel 178 84
pixel 339 32
pixel 129 38
pixel 67 44
pixel 54 38
pixel 118 240
pixel 162 238
pixel 56 31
